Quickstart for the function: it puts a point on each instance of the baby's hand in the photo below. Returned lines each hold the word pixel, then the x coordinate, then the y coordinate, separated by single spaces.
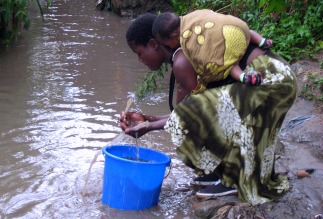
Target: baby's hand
pixel 252 79
pixel 267 44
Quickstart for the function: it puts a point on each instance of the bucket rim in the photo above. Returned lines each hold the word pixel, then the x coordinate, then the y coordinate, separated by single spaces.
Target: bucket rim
pixel 166 162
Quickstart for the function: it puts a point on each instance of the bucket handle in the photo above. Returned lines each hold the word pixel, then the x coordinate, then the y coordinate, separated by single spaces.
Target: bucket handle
pixel 170 168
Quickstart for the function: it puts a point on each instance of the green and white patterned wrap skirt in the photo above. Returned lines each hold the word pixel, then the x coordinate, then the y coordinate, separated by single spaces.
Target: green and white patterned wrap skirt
pixel 233 129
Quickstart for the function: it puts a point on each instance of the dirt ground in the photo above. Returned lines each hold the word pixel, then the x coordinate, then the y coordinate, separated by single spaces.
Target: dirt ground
pixel 299 156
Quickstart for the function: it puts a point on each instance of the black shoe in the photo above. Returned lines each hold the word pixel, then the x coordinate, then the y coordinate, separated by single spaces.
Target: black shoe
pixel 216 191
pixel 206 180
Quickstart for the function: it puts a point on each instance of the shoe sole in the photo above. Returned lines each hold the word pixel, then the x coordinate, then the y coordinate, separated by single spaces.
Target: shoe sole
pixel 201 183
pixel 209 195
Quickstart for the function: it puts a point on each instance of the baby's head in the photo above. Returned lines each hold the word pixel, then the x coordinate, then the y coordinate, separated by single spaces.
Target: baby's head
pixel 166 29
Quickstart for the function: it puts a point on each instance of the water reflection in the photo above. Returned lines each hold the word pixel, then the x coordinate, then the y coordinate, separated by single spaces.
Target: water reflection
pixel 62 87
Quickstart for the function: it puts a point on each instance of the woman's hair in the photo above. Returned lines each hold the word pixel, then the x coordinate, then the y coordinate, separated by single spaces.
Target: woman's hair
pixel 140 31
pixel 165 24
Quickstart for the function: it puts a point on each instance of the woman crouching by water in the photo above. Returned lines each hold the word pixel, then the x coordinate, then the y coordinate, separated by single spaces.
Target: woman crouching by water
pixel 229 130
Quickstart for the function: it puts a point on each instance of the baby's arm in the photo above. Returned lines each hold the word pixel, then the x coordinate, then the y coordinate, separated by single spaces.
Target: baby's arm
pixel 235 72
pixel 256 38
pixel 249 79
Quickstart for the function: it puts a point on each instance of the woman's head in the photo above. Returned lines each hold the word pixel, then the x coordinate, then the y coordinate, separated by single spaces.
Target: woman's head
pixel 141 41
pixel 140 31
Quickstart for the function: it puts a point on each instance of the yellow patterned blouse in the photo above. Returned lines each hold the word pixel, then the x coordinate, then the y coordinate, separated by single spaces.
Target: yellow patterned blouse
pixel 213 43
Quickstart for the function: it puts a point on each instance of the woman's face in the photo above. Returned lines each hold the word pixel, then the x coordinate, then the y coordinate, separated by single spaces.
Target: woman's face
pixel 151 55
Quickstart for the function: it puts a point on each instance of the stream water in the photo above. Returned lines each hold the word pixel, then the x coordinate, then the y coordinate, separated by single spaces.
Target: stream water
pixel 63 85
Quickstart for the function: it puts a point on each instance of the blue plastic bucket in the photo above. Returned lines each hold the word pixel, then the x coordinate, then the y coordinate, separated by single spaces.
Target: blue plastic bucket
pixel 129 184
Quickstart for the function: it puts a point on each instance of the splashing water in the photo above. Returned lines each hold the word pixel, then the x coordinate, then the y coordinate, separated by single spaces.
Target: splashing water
pixel 84 192
pixel 116 140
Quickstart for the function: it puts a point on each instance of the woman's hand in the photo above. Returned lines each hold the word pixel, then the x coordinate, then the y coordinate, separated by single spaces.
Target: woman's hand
pixel 134 124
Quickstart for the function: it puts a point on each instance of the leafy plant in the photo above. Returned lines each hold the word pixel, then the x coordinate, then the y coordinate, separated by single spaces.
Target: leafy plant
pixel 14 17
pixel 181 6
pixel 150 82
pixel 313 89
pixel 293 25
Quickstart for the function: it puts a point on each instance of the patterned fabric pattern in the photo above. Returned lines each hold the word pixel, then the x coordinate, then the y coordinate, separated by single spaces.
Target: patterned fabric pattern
pixel 232 130
pixel 213 43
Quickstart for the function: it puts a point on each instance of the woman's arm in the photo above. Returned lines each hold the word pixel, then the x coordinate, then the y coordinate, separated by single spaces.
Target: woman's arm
pixel 185 76
pixel 156 122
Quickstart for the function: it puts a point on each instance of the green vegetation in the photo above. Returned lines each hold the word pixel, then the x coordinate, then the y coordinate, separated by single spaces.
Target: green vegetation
pixel 150 82
pixel 295 25
pixel 313 89
pixel 297 29
pixel 14 17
